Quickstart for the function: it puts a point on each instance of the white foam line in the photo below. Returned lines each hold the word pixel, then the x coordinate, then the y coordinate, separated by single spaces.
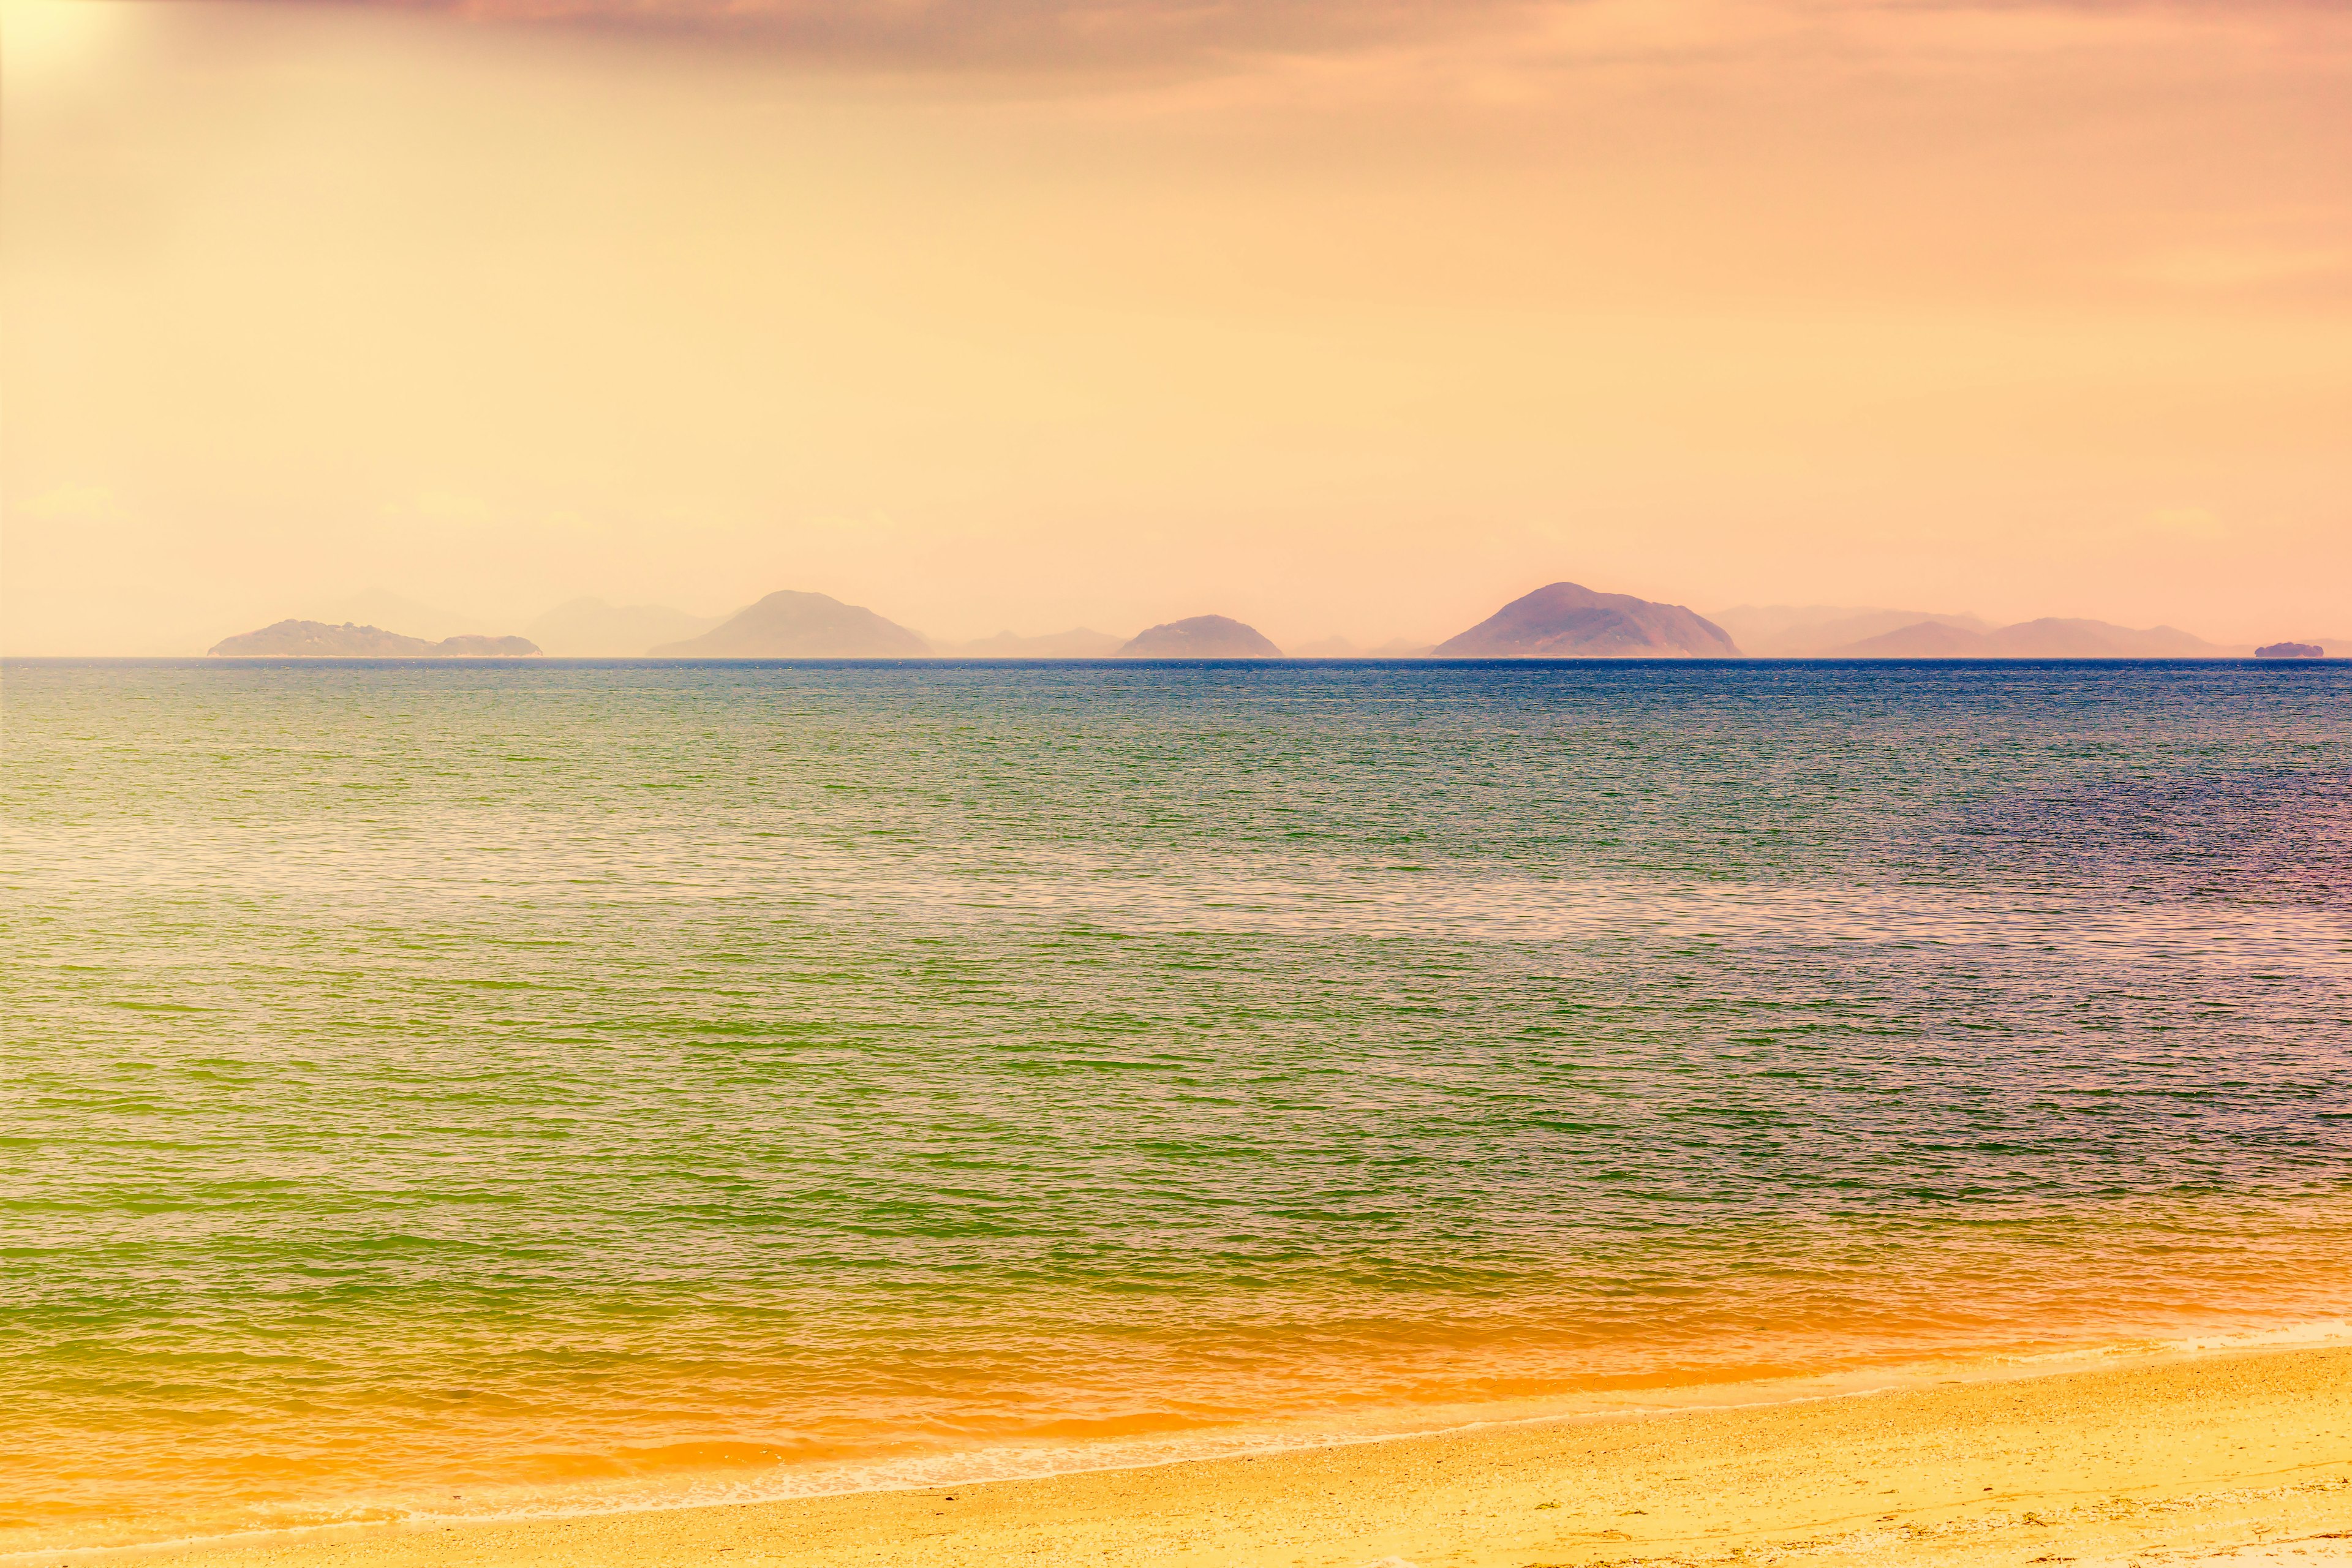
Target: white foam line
pixel 955 1469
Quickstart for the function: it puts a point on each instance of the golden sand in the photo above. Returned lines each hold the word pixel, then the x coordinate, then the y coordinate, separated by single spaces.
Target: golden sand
pixel 2243 1458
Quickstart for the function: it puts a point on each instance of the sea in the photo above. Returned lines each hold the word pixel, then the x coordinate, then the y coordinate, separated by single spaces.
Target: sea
pixel 445 1090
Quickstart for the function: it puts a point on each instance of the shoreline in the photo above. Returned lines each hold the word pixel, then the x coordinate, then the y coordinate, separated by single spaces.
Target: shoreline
pixel 2182 1409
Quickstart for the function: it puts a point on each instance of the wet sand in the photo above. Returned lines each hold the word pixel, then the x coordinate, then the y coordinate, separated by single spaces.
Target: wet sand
pixel 2240 1457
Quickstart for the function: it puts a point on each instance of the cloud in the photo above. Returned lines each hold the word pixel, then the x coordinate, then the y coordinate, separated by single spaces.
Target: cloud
pixel 1195 39
pixel 1010 33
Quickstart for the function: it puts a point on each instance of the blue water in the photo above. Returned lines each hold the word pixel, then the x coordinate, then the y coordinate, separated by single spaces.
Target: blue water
pixel 516 1075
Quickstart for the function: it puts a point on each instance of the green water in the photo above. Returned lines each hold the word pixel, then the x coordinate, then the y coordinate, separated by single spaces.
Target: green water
pixel 446 1087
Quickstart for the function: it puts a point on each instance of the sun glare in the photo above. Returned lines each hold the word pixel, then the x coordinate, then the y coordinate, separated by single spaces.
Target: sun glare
pixel 41 36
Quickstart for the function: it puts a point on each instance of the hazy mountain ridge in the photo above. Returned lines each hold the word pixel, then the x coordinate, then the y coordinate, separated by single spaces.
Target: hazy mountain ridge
pixel 1781 631
pixel 316 640
pixel 2050 637
pixel 1787 631
pixel 592 628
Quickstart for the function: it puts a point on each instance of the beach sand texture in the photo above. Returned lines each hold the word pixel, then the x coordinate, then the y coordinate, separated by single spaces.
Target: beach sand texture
pixel 2242 1457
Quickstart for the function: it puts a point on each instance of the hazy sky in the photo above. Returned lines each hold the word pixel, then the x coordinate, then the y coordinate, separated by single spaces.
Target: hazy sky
pixel 1333 316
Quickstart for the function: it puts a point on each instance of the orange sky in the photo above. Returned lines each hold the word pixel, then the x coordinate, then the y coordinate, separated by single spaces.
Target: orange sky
pixel 1336 317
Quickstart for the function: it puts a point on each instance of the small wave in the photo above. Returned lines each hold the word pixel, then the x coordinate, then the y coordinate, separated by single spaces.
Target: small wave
pixel 1039 1461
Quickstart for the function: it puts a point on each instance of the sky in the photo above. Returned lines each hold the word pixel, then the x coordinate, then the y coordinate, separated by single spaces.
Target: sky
pixel 1351 319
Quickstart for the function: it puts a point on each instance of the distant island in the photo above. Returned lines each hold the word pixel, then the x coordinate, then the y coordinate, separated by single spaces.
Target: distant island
pixel 1815 631
pixel 788 624
pixel 1820 632
pixel 316 639
pixel 1566 620
pixel 2050 638
pixel 1560 620
pixel 1200 636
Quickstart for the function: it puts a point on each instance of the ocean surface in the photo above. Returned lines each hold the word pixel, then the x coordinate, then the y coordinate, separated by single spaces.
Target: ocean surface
pixel 447 1089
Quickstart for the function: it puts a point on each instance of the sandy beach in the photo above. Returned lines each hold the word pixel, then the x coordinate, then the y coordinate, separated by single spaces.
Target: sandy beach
pixel 2242 1457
